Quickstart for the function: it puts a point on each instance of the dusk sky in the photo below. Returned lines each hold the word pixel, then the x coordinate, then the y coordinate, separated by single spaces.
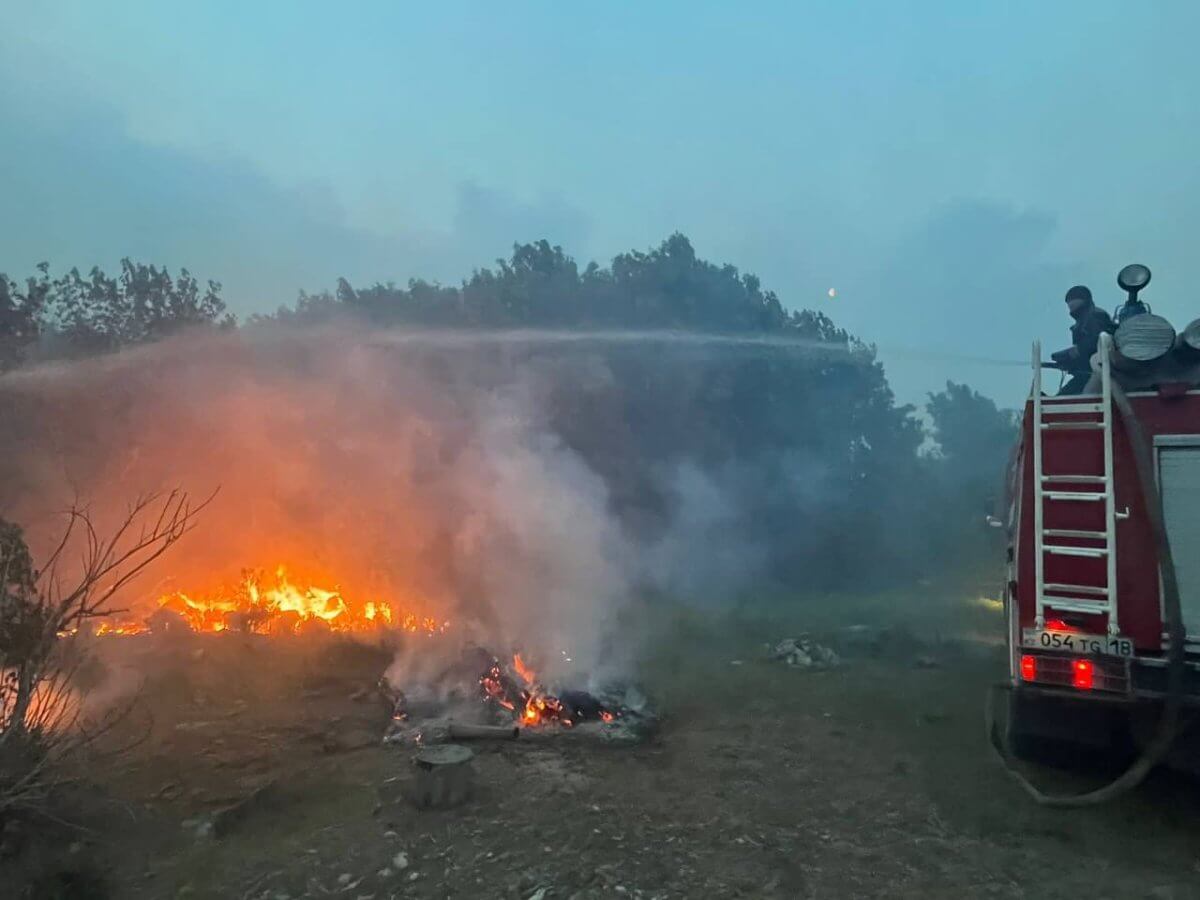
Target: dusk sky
pixel 950 168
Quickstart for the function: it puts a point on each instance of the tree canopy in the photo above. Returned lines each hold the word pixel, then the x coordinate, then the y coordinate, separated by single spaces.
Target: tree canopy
pixel 540 286
pixel 803 430
pixel 973 436
pixel 74 314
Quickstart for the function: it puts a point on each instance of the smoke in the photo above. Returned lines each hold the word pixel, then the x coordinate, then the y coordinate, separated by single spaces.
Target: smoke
pixel 706 514
pixel 426 474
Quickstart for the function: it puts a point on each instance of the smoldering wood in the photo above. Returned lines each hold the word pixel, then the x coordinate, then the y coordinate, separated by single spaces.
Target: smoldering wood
pixel 442 776
pixel 1141 341
pixel 486 702
pixel 580 705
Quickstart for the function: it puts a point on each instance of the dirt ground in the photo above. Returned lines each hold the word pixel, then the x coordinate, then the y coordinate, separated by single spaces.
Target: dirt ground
pixel 869 780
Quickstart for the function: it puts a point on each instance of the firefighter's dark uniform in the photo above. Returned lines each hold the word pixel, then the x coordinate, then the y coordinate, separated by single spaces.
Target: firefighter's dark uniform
pixel 1090 323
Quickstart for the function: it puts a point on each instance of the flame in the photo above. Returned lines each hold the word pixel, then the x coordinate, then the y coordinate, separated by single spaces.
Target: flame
pixel 121 628
pixel 530 703
pixel 540 707
pixel 264 605
pixel 527 674
pixel 492 682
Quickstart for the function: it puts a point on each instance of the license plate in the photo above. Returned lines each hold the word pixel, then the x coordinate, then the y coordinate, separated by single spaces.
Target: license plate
pixel 1074 642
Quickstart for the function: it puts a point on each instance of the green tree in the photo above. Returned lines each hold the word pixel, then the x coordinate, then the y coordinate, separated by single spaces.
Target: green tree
pixel 142 303
pixel 540 285
pixel 973 436
pixel 20 315
pixel 966 471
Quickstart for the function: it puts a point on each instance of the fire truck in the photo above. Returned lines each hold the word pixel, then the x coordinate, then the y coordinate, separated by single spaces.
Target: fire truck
pixel 1102 514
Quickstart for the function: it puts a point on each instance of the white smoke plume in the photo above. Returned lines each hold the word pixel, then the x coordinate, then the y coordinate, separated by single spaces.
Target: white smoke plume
pixel 422 475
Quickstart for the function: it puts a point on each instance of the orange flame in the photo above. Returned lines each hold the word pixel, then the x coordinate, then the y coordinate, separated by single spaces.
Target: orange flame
pixel 540 707
pixel 122 628
pixel 527 674
pixel 530 703
pixel 262 605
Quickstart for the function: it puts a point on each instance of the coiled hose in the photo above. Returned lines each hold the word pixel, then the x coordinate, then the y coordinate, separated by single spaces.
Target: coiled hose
pixel 1168 723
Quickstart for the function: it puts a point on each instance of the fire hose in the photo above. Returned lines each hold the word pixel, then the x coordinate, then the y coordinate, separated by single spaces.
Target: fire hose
pixel 1168 723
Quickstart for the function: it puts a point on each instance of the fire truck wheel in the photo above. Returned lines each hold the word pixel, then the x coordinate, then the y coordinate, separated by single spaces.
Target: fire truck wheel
pixel 1062 732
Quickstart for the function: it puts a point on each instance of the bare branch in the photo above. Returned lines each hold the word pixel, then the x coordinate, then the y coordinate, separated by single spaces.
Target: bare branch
pixel 42 713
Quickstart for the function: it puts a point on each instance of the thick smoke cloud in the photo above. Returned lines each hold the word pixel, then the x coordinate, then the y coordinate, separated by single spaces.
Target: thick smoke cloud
pixel 425 473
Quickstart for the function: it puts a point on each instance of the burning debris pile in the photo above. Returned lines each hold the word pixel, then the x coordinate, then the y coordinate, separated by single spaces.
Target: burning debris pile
pixel 805 653
pixel 483 697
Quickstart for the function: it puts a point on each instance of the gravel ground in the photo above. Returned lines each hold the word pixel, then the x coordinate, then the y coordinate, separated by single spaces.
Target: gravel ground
pixel 869 780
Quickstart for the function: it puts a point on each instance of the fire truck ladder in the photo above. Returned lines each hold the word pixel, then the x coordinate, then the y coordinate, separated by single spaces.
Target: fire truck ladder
pixel 1092 415
pixel 1100 598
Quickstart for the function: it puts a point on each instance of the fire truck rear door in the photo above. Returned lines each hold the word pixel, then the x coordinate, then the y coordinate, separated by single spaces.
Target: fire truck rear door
pixel 1179 478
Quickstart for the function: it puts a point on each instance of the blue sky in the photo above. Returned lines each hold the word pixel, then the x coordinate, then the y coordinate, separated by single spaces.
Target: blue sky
pixel 951 168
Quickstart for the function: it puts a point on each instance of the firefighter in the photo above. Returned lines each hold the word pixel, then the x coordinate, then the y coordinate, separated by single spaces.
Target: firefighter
pixel 1090 323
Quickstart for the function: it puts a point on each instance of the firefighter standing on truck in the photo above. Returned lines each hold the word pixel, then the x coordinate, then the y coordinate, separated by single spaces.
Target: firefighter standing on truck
pixel 1090 323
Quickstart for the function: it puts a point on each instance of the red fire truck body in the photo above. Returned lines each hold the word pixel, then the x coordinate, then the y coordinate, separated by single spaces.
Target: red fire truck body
pixel 1084 604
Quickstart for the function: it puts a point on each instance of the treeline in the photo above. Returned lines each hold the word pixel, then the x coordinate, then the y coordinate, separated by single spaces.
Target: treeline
pixel 823 478
pixel 78 315
pixel 541 286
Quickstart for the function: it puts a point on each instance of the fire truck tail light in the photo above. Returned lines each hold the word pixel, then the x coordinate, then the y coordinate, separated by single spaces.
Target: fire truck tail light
pixel 1028 667
pixel 1082 674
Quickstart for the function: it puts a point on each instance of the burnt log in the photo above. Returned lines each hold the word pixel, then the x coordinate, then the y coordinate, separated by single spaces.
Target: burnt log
pixel 1141 341
pixel 464 731
pixel 580 706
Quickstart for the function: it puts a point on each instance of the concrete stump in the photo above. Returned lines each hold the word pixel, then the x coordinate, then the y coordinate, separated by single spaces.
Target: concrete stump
pixel 442 776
